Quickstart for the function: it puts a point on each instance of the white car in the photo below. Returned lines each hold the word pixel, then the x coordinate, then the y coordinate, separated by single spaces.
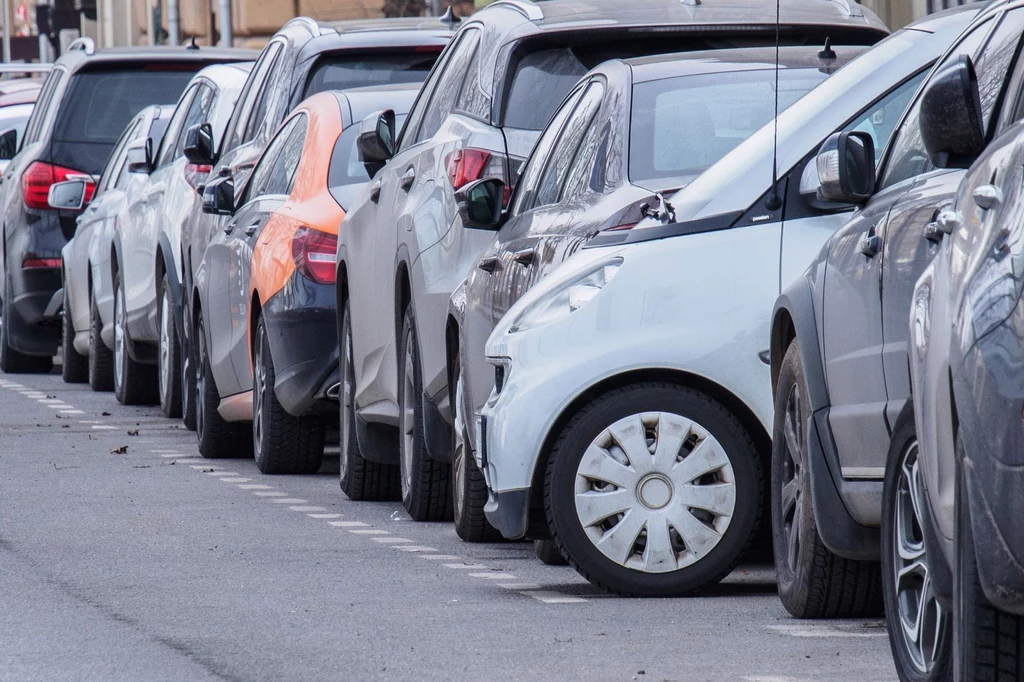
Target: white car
pixel 631 415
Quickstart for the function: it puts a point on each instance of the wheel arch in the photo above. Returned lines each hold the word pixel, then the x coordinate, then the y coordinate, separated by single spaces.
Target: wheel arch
pixel 403 294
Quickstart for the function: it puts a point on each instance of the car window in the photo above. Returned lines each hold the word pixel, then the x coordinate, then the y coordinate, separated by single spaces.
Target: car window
pixel 907 157
pixel 996 59
pixel 113 167
pixel 198 112
pixel 408 137
pixel 262 107
pixel 347 174
pixel 442 101
pixel 540 82
pixel 282 176
pixel 562 154
pixel 475 98
pixel 346 70
pixel 261 174
pixel 542 151
pixel 180 113
pixel 253 88
pixel 592 150
pixel 45 98
pixel 880 119
pixel 121 174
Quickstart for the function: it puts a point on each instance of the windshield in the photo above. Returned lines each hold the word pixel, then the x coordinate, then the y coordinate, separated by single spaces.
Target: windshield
pixel 344 71
pixel 682 126
pixel 347 174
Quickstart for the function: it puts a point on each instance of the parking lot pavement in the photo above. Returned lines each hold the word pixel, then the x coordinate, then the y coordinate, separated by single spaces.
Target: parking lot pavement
pixel 152 563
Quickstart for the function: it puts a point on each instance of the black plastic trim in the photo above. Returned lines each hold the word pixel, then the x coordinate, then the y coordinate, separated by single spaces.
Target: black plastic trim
pixel 509 512
pixel 722 221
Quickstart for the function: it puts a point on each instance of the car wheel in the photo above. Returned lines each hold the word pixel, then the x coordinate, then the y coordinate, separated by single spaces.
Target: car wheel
pixel 12 361
pixel 361 479
pixel 168 354
pixel 134 382
pixel 188 376
pixel 813 581
pixel 920 630
pixel 426 484
pixel 548 553
pixel 653 489
pixel 988 642
pixel 101 358
pixel 74 366
pixel 469 490
pixel 217 438
pixel 282 443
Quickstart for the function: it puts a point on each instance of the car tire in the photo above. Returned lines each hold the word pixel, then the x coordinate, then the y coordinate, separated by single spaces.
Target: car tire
pixel 988 642
pixel 134 382
pixel 218 439
pixel 361 479
pixel 74 366
pixel 12 361
pixel 282 443
pixel 671 523
pixel 469 490
pixel 547 552
pixel 168 354
pixel 101 358
pixel 426 483
pixel 813 581
pixel 188 376
pixel 920 638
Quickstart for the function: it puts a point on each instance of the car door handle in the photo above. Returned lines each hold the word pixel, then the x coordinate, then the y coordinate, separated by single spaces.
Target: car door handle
pixel 489 264
pixel 375 192
pixel 408 177
pixel 988 196
pixel 229 228
pixel 524 257
pixel 251 230
pixel 870 245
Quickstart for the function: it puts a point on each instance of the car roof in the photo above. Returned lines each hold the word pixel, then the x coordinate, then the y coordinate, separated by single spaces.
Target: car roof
pixel 19 91
pixel 361 102
pixel 232 73
pixel 738 59
pixel 83 54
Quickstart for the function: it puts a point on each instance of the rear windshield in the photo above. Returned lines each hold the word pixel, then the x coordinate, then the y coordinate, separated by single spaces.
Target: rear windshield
pixel 99 104
pixel 343 71
pixel 681 126
pixel 347 174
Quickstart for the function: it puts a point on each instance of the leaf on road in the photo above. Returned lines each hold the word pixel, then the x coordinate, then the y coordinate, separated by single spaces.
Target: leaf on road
pixel 120 451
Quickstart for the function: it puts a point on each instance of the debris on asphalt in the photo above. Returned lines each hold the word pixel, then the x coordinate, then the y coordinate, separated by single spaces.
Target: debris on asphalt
pixel 120 451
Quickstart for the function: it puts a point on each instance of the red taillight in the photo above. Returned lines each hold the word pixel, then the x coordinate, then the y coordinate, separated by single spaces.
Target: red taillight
pixel 466 166
pixel 39 177
pixel 41 263
pixel 619 228
pixel 314 253
pixel 195 174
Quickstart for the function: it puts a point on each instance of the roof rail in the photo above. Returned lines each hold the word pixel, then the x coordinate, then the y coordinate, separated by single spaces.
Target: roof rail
pixel 530 10
pixel 85 44
pixel 310 23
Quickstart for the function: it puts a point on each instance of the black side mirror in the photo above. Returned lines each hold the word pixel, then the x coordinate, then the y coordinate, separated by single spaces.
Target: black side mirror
pixel 68 195
pixel 480 203
pixel 199 147
pixel 846 168
pixel 8 144
pixel 376 141
pixel 952 125
pixel 140 156
pixel 219 196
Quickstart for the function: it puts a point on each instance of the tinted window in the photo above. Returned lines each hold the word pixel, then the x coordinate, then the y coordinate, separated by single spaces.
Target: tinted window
pixel 262 106
pixel 564 152
pixel 282 177
pixel 407 136
pixel 347 174
pixel 442 100
pixel 880 120
pixel 682 126
pixel 540 82
pixel 99 105
pixel 538 160
pixel 252 89
pixel 180 112
pixel 475 97
pixel 198 112
pixel 344 71
pixel 40 114
pixel 113 167
pixel 261 175
pixel 996 59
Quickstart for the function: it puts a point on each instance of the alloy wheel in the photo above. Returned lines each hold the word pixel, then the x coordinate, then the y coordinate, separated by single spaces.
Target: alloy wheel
pixel 655 492
pixel 260 372
pixel 120 349
pixel 922 618
pixel 459 452
pixel 792 478
pixel 165 347
pixel 408 419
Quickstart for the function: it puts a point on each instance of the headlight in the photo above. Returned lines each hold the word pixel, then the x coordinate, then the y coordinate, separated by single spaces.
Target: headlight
pixel 568 298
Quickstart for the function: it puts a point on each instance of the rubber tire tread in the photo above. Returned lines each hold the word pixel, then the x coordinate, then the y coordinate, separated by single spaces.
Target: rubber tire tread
pixel 101 358
pixel 472 526
pixel 74 366
pixel 219 439
pixel 547 552
pixel 15 362
pixel 170 403
pixel 826 585
pixel 140 385
pixel 628 394
pixel 188 380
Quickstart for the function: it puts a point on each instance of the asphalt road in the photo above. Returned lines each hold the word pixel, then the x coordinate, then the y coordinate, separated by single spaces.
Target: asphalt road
pixel 152 564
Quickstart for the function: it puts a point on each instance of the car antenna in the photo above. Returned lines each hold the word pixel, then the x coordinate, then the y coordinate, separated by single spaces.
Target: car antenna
pixel 449 17
pixel 827 52
pixel 773 201
pixel 192 45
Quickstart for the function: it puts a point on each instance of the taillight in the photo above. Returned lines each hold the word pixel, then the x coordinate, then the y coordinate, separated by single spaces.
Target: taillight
pixel 29 263
pixel 466 166
pixel 40 176
pixel 196 174
pixel 314 254
pixel 619 228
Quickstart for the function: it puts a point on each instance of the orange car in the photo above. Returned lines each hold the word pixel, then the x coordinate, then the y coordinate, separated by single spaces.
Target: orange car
pixel 269 295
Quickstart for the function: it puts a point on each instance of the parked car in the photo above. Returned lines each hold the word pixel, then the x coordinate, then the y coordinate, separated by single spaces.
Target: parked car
pixel 147 245
pixel 302 59
pixel 17 98
pixel 267 281
pixel 87 332
pixel 85 103
pixel 839 387
pixel 653 340
pixel 472 123
pixel 951 525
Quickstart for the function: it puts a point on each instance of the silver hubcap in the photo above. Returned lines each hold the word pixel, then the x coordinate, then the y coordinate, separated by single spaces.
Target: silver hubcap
pixel 165 347
pixel 120 351
pixel 408 418
pixel 655 492
pixel 261 387
pixel 922 618
pixel 346 399
pixel 792 470
pixel 459 453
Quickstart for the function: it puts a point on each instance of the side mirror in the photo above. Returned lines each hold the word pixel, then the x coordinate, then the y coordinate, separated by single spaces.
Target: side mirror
pixel 846 168
pixel 480 203
pixel 219 196
pixel 376 141
pixel 8 144
pixel 199 147
pixel 68 195
pixel 140 156
pixel 952 127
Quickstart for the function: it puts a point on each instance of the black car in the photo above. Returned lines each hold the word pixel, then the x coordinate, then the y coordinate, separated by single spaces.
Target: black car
pixel 83 108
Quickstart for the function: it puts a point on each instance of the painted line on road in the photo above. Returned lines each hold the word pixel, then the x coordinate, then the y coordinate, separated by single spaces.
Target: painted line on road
pixel 308 509
pixel 103 428
pixel 289 500
pixel 520 587
pixel 809 630
pixel 71 411
pixel 200 467
pixel 235 480
pixel 549 597
pixel 346 524
pixel 389 540
pixel 222 473
pixel 466 566
pixel 417 548
pixel 255 486
pixel 368 531
pixel 324 516
pixel 262 493
pixel 493 576
pixel 439 557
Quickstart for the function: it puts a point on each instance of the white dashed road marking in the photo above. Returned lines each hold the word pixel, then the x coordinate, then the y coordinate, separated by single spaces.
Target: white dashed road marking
pixel 347 524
